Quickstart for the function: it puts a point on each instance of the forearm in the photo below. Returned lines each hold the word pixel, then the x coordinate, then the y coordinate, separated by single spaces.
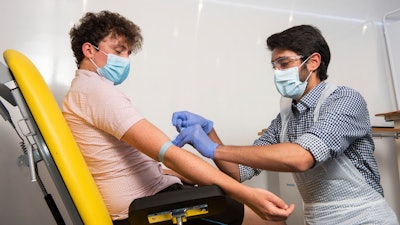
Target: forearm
pixel 232 169
pixel 148 139
pixel 229 168
pixel 202 173
pixel 182 178
pixel 267 205
pixel 284 157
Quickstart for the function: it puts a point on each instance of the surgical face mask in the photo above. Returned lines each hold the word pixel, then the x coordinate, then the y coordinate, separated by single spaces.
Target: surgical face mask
pixel 116 69
pixel 288 83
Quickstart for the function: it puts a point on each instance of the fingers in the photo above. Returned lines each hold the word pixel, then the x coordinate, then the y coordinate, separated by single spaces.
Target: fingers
pixel 174 118
pixel 278 214
pixel 179 125
pixel 177 116
pixel 269 206
pixel 290 209
pixel 277 201
pixel 179 140
pixel 281 211
pixel 184 137
pixel 179 120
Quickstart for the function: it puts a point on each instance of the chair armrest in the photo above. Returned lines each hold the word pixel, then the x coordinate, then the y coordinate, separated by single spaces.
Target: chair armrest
pixel 163 207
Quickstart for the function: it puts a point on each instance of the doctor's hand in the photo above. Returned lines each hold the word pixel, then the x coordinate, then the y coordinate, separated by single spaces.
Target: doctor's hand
pixel 195 136
pixel 185 119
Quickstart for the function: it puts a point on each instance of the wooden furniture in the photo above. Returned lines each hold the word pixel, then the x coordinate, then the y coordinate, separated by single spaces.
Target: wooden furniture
pixel 395 130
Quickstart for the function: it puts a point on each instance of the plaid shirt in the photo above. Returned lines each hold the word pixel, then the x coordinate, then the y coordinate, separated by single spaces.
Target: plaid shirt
pixel 343 127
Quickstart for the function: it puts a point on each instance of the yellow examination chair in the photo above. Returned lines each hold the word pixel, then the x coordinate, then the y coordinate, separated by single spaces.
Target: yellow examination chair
pixel 45 137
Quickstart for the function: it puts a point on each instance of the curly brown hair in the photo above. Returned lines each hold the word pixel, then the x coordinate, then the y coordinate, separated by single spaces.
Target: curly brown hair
pixel 94 27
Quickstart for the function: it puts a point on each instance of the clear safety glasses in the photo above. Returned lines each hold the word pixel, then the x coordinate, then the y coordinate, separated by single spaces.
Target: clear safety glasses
pixel 284 61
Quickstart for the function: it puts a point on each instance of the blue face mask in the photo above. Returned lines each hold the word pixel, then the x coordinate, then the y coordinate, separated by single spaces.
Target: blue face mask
pixel 288 83
pixel 116 69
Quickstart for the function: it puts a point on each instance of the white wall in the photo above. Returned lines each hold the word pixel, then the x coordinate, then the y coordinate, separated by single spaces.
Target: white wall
pixel 205 56
pixel 391 29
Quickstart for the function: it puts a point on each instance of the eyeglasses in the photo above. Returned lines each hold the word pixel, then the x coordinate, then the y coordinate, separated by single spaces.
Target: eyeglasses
pixel 284 61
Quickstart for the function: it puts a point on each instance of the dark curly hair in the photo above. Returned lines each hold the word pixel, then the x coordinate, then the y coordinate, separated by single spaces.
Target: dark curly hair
pixel 94 27
pixel 304 40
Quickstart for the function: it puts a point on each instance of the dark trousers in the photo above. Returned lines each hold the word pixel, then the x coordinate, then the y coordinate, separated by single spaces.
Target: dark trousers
pixel 233 215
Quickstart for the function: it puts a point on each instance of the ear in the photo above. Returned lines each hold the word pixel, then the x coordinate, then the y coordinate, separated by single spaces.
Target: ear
pixel 314 61
pixel 88 50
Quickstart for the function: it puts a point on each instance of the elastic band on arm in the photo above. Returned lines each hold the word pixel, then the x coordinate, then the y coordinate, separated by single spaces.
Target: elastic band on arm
pixel 163 149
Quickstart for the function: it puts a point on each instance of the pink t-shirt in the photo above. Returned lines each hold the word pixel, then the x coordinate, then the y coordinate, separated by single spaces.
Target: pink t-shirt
pixel 99 115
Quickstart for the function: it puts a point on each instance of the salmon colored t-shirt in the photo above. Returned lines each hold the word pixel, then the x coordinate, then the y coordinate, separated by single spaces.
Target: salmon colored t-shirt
pixel 99 114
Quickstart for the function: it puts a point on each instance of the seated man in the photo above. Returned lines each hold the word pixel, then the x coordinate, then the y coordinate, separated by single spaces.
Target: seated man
pixel 121 147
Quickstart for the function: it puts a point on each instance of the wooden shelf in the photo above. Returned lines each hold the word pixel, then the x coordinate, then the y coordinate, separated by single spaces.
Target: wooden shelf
pixel 385 130
pixel 390 116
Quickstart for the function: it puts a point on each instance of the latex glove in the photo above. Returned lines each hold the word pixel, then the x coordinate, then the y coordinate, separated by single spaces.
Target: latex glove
pixel 184 119
pixel 195 136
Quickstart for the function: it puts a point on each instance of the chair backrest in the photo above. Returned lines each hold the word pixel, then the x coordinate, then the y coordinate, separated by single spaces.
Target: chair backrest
pixel 58 139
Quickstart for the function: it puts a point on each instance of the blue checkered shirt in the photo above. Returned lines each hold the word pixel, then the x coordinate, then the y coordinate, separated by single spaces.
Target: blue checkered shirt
pixel 343 127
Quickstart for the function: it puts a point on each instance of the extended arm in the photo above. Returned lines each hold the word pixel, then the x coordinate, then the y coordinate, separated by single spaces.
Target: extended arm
pixel 284 157
pixel 149 139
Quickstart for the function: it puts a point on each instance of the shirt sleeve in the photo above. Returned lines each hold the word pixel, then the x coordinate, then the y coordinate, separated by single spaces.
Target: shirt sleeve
pixel 341 122
pixel 112 111
pixel 268 137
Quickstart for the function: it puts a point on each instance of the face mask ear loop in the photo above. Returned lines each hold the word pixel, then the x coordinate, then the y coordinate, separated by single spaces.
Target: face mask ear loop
pixel 91 60
pixel 303 64
pixel 308 76
pixel 98 49
pixel 304 61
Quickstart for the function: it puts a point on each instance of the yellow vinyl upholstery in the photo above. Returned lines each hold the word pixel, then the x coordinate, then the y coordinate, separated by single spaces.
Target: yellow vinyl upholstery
pixel 59 139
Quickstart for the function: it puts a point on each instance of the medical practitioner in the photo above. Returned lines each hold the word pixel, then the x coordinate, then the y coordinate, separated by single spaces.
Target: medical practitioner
pixel 322 134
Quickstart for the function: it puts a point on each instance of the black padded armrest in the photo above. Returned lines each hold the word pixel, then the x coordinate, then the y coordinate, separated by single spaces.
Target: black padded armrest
pixel 212 197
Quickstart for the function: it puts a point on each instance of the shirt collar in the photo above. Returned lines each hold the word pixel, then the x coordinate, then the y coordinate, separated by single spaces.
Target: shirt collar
pixel 310 99
pixel 92 74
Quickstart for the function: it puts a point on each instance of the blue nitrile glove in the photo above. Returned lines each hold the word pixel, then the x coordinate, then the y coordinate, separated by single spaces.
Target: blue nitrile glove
pixel 195 136
pixel 185 119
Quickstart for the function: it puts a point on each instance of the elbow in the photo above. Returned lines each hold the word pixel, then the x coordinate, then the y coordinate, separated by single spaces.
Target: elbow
pixel 303 167
pixel 306 162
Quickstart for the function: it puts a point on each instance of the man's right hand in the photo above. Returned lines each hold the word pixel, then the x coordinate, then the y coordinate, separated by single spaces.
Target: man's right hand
pixel 195 136
pixel 184 119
